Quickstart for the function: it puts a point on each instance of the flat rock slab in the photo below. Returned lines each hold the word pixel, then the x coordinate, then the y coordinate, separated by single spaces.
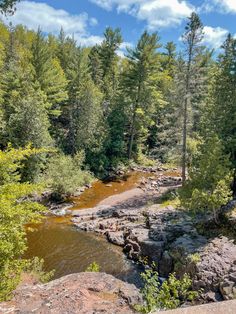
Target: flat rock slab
pixel 117 198
pixel 82 293
pixel 226 307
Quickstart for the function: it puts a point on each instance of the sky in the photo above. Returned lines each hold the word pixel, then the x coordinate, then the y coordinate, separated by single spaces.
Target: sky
pixel 86 20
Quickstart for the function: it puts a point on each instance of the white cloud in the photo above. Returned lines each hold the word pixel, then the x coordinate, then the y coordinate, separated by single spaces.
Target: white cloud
pixel 222 6
pixel 87 41
pixel 162 13
pixel 34 14
pixel 157 13
pixel 123 49
pixel 93 21
pixel 214 37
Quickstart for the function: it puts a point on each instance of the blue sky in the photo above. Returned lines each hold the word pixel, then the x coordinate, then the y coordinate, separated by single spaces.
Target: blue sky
pixel 87 19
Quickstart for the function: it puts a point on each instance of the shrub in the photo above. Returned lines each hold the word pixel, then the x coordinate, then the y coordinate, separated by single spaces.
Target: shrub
pixel 208 186
pixel 64 174
pixel 169 295
pixel 35 267
pixel 93 267
pixel 16 210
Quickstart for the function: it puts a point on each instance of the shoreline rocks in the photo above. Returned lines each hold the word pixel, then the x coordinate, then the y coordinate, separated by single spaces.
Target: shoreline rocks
pixel 168 237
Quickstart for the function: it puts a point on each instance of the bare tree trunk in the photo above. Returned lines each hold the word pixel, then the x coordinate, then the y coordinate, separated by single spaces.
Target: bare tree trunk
pixel 186 106
pixel 131 140
pixel 184 148
pixel 132 131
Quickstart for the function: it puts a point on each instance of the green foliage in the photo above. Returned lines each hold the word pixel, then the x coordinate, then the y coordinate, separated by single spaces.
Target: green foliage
pixel 141 91
pixel 64 175
pixel 194 258
pixel 208 187
pixel 93 267
pixel 16 210
pixel 8 6
pixel 169 295
pixel 170 198
pixel 35 268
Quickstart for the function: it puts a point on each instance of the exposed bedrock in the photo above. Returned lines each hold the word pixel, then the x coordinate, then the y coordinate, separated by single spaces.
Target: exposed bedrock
pixel 169 238
pixel 83 293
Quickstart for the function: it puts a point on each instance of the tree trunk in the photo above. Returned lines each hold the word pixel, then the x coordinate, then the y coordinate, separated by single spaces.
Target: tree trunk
pixel 186 105
pixel 132 131
pixel 184 148
pixel 131 140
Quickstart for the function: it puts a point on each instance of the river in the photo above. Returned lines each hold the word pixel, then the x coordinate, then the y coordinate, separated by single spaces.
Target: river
pixel 67 250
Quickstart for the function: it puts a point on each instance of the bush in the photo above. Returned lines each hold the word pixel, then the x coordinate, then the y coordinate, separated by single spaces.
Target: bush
pixel 64 174
pixel 169 295
pixel 208 186
pixel 16 210
pixel 93 267
pixel 35 268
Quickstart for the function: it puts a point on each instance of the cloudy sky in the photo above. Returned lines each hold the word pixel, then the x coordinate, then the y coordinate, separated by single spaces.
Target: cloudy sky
pixel 87 19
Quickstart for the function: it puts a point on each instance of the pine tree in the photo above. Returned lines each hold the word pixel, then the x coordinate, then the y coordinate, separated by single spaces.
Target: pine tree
pixel 140 89
pixel 48 73
pixel 95 65
pixel 208 186
pixel 192 38
pixel 219 115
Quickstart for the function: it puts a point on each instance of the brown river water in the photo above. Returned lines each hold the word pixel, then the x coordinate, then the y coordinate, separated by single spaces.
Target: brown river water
pixel 67 250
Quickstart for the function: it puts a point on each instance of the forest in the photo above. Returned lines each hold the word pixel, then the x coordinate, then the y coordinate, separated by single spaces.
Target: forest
pixel 70 114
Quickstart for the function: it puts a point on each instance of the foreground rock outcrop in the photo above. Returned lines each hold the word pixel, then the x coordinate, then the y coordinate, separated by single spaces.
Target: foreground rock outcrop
pixel 83 293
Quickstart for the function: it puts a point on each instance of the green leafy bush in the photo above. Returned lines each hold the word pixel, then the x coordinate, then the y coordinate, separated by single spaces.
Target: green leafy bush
pixel 208 186
pixel 35 267
pixel 16 210
pixel 64 174
pixel 93 267
pixel 169 295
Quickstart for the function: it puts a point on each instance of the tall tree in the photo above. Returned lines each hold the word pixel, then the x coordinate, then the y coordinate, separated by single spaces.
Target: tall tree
pixel 48 73
pixel 192 38
pixel 139 85
pixel 220 114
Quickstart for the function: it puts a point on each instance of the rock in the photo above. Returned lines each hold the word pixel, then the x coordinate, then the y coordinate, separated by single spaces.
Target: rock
pixel 61 209
pixel 152 249
pixel 116 237
pixel 228 289
pixel 216 270
pixel 165 265
pixel 83 293
pixel 168 237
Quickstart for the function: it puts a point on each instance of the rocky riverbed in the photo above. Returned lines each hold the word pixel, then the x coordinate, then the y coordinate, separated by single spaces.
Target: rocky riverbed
pixel 137 221
pixel 167 236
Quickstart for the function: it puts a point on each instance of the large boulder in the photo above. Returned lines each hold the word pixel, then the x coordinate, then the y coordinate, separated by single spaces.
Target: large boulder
pixel 83 293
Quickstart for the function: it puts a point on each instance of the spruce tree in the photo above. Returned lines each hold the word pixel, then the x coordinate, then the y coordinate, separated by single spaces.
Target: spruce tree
pixel 140 88
pixel 191 38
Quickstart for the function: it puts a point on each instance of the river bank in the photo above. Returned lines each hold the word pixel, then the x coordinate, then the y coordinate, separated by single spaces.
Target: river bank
pixel 138 223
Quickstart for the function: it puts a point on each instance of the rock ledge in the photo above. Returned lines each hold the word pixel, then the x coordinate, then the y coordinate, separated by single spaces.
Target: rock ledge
pixel 83 293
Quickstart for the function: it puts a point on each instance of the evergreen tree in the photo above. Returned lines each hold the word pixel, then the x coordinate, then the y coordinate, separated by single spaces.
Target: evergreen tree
pixel 140 88
pixel 219 116
pixel 192 38
pixel 48 73
pixel 95 65
pixel 208 186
